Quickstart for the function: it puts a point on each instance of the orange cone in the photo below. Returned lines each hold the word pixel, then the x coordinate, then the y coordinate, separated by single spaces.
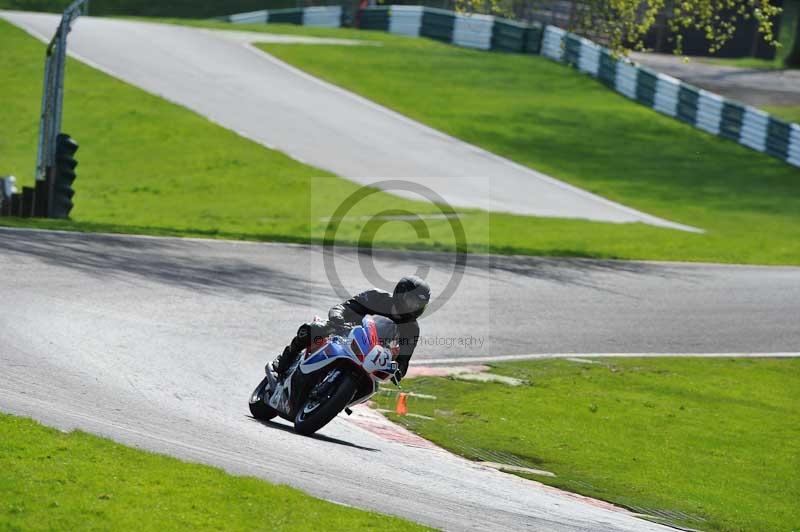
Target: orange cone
pixel 402 404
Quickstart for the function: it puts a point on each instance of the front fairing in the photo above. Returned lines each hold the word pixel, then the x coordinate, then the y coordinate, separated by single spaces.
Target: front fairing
pixel 335 349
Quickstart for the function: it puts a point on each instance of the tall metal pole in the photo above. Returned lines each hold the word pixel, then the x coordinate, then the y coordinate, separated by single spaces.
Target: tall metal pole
pixel 40 155
pixel 52 104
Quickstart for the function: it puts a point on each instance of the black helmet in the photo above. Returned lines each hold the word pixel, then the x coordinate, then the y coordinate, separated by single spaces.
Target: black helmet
pixel 411 296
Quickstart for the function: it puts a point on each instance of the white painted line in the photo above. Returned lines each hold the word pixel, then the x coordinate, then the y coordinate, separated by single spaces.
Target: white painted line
pixel 251 17
pixel 418 416
pixel 546 356
pixel 488 377
pixel 517 469
pixel 409 394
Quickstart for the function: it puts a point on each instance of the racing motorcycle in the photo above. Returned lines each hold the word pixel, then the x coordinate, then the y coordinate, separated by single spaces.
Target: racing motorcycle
pixel 329 376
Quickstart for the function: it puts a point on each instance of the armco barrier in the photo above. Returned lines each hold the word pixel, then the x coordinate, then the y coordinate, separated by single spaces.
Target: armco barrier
pixel 704 110
pixel 253 17
pixel 483 32
pixel 793 151
pixel 438 24
pixel 376 18
pixel 405 20
pixel 473 31
pixel 508 36
pixel 323 16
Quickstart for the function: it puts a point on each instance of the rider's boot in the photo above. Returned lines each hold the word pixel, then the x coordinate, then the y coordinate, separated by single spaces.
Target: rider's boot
pixel 283 362
pixel 306 334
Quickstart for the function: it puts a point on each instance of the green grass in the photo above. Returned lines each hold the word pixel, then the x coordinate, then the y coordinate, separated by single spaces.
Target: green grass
pixel 149 166
pixel 50 480
pixel 751 63
pixel 716 439
pixel 554 119
pixel 790 113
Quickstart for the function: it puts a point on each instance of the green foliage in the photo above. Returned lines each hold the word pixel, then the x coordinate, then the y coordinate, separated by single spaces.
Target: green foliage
pixel 790 33
pixel 50 480
pixel 716 439
pixel 790 113
pixel 624 23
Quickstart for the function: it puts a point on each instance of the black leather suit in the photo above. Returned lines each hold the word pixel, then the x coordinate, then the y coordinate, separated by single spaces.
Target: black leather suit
pixel 344 316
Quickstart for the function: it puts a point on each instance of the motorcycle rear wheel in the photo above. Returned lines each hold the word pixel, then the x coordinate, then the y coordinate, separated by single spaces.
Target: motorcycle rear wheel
pixel 308 422
pixel 258 408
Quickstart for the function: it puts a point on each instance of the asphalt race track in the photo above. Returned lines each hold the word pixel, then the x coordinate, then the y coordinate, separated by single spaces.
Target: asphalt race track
pixel 221 76
pixel 158 342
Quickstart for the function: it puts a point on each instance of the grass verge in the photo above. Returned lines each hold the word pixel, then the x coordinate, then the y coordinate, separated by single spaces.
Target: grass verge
pixel 790 113
pixel 715 443
pixel 557 120
pixel 149 166
pixel 50 480
pixel 752 63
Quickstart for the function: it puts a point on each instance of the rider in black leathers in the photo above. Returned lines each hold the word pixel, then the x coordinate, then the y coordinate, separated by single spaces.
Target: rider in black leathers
pixel 404 306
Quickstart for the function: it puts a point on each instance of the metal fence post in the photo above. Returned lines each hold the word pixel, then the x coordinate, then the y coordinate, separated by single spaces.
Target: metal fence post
pixel 52 106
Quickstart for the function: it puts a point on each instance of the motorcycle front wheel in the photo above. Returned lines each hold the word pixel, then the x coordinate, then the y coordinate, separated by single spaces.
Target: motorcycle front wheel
pixel 317 412
pixel 258 408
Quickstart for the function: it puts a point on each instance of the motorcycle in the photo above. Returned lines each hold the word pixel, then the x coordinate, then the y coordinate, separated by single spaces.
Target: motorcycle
pixel 330 376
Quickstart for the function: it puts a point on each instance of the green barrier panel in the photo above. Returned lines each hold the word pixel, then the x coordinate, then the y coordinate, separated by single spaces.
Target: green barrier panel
pixel 730 126
pixel 572 49
pixel 508 36
pixel 286 16
pixel 374 19
pixel 533 39
pixel 778 134
pixel 687 104
pixel 438 25
pixel 646 87
pixel 608 68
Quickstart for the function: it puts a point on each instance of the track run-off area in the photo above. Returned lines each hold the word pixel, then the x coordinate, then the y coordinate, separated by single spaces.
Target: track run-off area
pixel 221 76
pixel 157 342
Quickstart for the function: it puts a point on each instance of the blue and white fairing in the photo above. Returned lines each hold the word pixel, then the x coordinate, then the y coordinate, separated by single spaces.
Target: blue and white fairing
pixel 335 349
pixel 362 347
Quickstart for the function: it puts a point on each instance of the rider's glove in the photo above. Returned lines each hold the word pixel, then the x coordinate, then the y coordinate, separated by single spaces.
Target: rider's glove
pixel 397 377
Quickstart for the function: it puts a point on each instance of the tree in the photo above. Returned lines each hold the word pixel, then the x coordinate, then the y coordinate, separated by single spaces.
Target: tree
pixel 623 24
pixel 792 58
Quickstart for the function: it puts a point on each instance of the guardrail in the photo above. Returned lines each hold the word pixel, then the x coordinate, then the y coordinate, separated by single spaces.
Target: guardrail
pixel 482 32
pixel 320 16
pixel 702 109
